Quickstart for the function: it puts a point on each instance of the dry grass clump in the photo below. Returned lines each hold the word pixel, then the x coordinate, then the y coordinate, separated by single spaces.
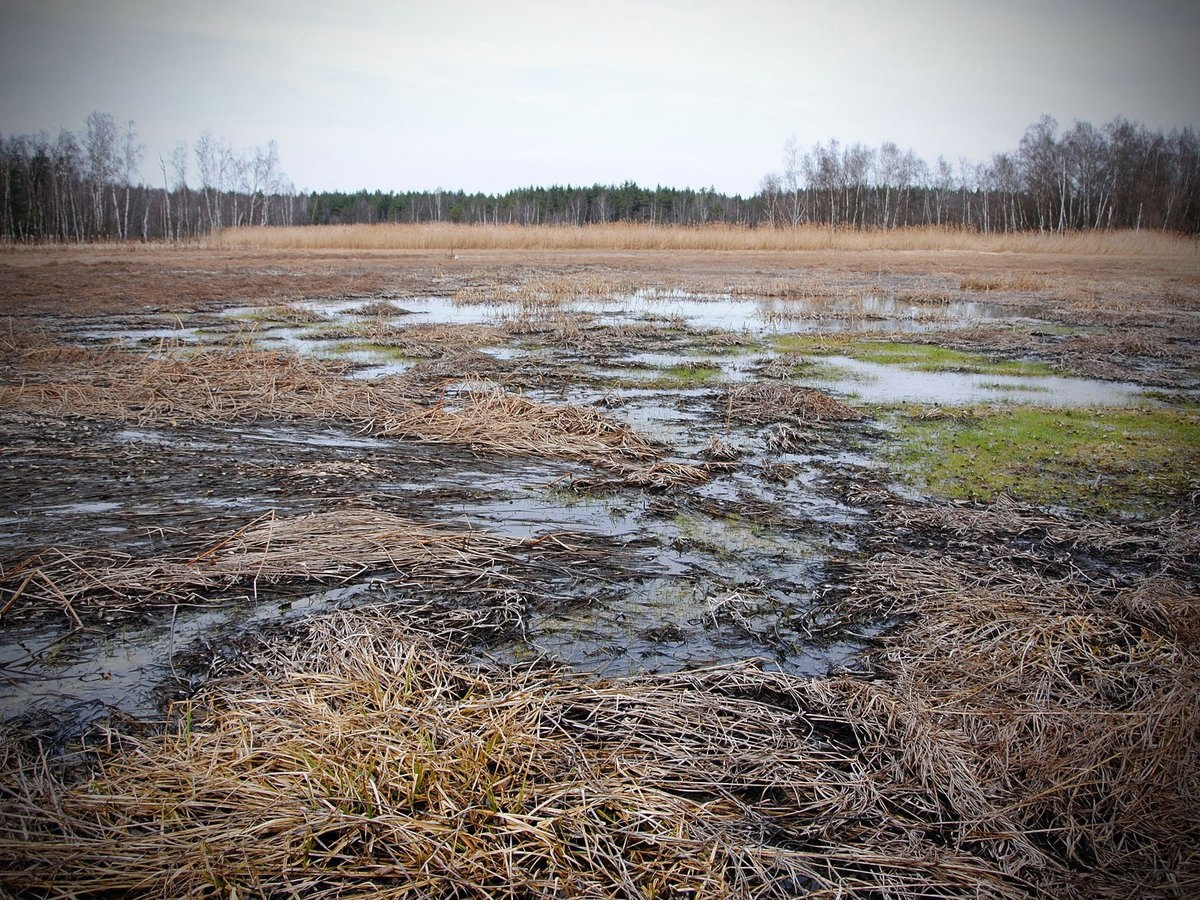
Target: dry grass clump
pixel 494 420
pixel 927 297
pixel 1139 343
pixel 1081 297
pixel 288 314
pixel 455 365
pixel 759 402
pixel 433 339
pixel 781 288
pixel 360 761
pixel 653 476
pixel 175 386
pixel 980 283
pixel 380 309
pixel 628 236
pixel 1019 282
pixel 1049 711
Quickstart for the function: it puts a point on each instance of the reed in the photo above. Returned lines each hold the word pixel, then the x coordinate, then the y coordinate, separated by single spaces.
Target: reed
pixel 358 760
pixel 633 237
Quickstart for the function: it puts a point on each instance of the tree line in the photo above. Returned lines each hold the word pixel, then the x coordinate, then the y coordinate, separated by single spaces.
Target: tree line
pixel 88 186
pixel 1121 175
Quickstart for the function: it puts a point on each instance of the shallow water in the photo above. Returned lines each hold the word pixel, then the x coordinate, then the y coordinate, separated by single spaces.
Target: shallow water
pixel 695 311
pixel 876 383
pixel 740 566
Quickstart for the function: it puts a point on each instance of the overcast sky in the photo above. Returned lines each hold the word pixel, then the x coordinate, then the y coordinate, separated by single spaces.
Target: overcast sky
pixel 494 95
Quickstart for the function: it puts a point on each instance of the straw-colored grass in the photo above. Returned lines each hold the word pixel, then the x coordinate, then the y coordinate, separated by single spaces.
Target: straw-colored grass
pixel 1018 738
pixel 713 237
pixel 224 386
pixel 268 553
pixel 358 761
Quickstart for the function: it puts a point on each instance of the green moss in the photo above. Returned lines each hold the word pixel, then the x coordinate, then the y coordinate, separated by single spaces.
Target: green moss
pixel 699 374
pixel 819 370
pixel 389 351
pixel 1094 460
pixel 932 358
pixel 681 376
pixel 815 344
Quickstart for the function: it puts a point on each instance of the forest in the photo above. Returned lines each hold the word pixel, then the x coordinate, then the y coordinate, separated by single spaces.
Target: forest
pixel 90 186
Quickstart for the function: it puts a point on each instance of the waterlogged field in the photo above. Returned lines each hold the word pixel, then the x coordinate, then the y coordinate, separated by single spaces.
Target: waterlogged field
pixel 455 573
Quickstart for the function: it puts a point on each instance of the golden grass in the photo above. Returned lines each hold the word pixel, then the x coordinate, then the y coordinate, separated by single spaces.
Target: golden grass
pixel 360 761
pixel 713 237
pixel 330 547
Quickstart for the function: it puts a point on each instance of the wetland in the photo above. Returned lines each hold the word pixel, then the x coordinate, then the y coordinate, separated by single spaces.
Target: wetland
pixel 693 574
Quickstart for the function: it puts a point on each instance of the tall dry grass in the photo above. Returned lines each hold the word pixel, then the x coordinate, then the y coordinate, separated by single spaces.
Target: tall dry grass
pixel 625 236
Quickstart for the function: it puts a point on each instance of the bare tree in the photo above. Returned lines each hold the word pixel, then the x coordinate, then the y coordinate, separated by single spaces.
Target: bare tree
pixel 792 184
pixel 100 144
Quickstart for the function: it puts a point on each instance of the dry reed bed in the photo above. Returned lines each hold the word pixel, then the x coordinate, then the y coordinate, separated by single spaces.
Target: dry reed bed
pixel 716 237
pixel 359 761
pixel 214 387
pixel 1052 716
pixel 426 340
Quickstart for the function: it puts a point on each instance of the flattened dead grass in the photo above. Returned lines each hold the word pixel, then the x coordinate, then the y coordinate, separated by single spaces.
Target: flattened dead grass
pixel 223 386
pixel 360 761
pixel 1020 737
pixel 320 549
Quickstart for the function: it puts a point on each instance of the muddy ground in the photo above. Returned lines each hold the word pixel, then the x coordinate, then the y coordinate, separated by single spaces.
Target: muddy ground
pixel 624 464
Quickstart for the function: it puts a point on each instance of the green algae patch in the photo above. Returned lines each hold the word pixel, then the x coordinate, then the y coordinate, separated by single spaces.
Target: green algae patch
pixel 1104 461
pixel 679 377
pixel 932 358
pixel 816 369
pixel 689 375
pixel 376 348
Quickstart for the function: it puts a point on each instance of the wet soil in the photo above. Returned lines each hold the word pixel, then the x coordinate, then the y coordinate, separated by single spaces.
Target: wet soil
pixel 748 561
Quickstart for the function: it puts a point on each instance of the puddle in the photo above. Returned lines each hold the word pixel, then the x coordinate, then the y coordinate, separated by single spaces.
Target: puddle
pixel 92 670
pixel 697 312
pixel 877 383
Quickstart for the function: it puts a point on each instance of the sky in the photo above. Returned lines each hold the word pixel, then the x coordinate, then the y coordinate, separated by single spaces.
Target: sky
pixel 488 96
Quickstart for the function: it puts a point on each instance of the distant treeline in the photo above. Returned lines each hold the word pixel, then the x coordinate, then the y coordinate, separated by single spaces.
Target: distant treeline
pixel 1121 175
